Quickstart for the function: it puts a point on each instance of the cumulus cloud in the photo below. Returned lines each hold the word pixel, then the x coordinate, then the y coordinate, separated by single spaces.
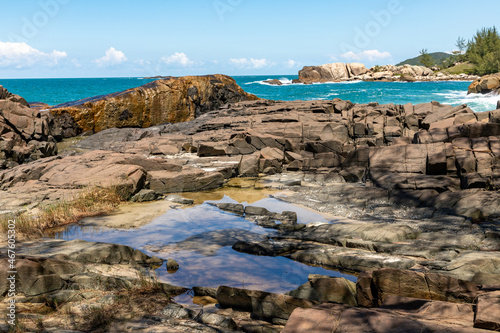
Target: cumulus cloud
pixel 21 55
pixel 178 58
pixel 370 55
pixel 113 57
pixel 291 63
pixel 250 63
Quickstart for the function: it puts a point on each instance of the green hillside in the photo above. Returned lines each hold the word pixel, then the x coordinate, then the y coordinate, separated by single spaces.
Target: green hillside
pixel 438 58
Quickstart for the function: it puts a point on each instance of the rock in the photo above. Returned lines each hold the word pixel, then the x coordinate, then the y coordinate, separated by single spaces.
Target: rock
pixel 364 295
pixel 218 320
pixel 176 311
pixel 204 300
pixel 330 72
pixel 269 248
pixel 158 102
pixel 340 318
pixel 467 265
pixel 249 166
pixel 488 311
pixel 90 252
pixel 349 259
pixel 25 133
pixel 323 290
pixel 262 304
pixel 407 78
pixel 431 286
pixel 253 210
pixel 205 291
pixel 185 181
pixel 356 69
pixel 172 266
pixel 498 104
pixel 485 84
pixel 274 82
pixel 175 198
pixel 319 319
pixel 144 195
pixel 232 208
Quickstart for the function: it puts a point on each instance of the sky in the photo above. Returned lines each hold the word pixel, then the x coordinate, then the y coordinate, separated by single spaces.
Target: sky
pixel 130 38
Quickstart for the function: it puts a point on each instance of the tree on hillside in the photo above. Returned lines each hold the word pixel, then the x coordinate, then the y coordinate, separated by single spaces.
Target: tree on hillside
pixel 484 51
pixel 458 55
pixel 461 44
pixel 425 58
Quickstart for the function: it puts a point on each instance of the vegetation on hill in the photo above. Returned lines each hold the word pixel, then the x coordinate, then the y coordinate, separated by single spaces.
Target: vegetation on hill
pixel 436 57
pixel 479 55
pixel 483 50
pixel 459 68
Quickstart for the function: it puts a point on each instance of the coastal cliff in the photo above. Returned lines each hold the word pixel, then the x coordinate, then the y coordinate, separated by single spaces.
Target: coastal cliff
pixel 163 101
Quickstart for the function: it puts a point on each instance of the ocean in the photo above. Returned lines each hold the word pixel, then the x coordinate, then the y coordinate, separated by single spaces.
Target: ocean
pixel 57 91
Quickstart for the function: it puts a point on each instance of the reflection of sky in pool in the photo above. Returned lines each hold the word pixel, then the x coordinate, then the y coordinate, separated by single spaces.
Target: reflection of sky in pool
pixel 228 267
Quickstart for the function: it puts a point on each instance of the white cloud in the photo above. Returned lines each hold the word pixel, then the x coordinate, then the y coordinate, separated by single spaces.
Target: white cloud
pixel 370 55
pixel 178 58
pixel 113 57
pixel 291 63
pixel 21 55
pixel 250 63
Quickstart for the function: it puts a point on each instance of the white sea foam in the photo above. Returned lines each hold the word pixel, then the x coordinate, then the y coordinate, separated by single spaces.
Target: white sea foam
pixel 284 81
pixel 477 102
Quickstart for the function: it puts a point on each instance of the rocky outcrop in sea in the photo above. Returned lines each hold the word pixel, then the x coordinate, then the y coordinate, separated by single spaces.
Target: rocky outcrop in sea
pixel 169 100
pixel 337 72
pixel 486 84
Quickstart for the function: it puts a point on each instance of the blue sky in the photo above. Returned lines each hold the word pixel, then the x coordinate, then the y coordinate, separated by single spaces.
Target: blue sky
pixel 97 38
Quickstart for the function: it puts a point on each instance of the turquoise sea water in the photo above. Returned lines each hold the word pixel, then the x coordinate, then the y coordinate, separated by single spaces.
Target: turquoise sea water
pixel 56 91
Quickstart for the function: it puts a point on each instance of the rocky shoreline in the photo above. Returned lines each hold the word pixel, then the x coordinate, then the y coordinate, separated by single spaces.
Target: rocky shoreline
pixel 415 189
pixel 338 72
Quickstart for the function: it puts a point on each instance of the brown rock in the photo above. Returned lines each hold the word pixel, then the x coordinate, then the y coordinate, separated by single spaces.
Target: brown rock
pixel 262 304
pixel 184 181
pixel 274 82
pixel 162 101
pixel 488 311
pixel 330 72
pixel 485 84
pixel 431 286
pixel 25 134
pixel 249 165
pixel 319 319
pixel 328 318
pixel 323 290
pixel 407 78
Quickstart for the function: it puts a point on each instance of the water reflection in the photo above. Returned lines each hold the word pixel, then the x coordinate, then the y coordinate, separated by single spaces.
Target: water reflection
pixel 183 234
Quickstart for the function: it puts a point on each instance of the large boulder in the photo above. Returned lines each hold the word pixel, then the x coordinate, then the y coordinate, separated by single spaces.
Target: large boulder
pixel 374 288
pixel 163 101
pixel 416 316
pixel 262 304
pixel 325 289
pixel 486 84
pixel 25 133
pixel 330 72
